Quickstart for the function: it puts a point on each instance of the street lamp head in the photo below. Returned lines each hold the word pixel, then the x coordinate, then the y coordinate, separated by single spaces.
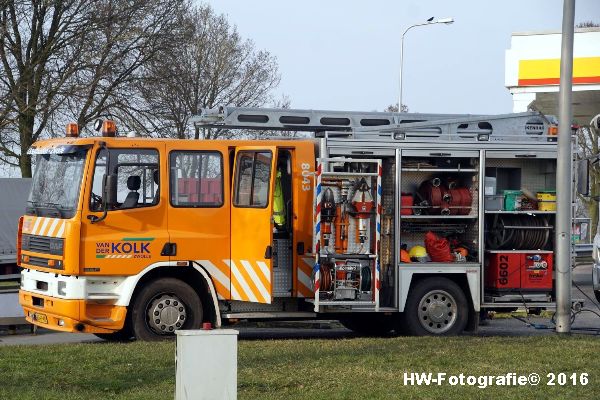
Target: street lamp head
pixel 446 21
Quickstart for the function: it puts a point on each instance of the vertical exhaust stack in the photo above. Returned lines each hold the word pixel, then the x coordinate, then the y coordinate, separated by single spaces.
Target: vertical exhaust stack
pixel 564 187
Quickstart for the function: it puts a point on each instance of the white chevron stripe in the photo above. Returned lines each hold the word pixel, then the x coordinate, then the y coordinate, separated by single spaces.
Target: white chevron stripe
pixel 61 231
pixel 256 280
pixel 52 227
pixel 238 276
pixel 305 280
pixel 235 295
pixel 35 225
pixel 44 225
pixel 215 272
pixel 265 270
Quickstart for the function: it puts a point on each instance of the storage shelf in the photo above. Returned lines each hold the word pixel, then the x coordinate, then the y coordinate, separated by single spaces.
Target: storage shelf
pixel 427 217
pixel 357 174
pixel 519 212
pixel 519 251
pixel 438 264
pixel 412 169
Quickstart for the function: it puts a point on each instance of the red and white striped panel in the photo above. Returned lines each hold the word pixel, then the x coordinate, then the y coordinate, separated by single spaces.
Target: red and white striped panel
pixel 304 273
pixel 43 226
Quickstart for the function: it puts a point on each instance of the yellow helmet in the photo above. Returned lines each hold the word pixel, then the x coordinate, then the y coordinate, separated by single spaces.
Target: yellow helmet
pixel 417 252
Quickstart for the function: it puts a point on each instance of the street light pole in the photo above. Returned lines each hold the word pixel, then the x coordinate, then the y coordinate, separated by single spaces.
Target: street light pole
pixel 430 21
pixel 564 206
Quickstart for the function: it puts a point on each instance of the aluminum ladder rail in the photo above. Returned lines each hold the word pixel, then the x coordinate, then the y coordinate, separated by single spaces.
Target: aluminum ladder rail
pixel 382 126
pixel 305 120
pixel 528 126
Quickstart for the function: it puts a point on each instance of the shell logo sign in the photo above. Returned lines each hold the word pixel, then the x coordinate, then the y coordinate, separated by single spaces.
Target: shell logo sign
pixel 586 70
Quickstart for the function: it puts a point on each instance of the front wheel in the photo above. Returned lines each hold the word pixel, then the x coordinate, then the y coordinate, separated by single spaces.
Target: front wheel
pixel 164 306
pixel 436 306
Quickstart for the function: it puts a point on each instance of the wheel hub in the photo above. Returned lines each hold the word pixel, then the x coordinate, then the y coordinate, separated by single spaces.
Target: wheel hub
pixel 437 311
pixel 166 314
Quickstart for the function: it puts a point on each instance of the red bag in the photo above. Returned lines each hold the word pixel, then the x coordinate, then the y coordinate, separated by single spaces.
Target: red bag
pixel 438 248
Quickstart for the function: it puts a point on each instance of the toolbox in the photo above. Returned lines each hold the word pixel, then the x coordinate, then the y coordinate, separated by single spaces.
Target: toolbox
pixel 519 271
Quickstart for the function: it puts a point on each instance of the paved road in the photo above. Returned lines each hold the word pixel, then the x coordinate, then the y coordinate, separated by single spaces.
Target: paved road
pixel 496 327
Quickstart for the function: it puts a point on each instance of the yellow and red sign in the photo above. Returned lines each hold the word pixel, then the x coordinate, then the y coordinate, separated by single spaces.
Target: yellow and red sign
pixel 586 70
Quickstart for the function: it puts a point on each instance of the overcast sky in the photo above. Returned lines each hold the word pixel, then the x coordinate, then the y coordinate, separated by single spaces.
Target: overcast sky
pixel 344 54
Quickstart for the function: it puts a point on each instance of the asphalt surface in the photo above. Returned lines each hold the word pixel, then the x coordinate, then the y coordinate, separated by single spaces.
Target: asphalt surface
pixel 585 323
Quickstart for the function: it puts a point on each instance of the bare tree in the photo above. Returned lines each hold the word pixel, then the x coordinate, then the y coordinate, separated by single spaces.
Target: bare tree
pixel 73 60
pixel 587 24
pixel 394 108
pixel 212 66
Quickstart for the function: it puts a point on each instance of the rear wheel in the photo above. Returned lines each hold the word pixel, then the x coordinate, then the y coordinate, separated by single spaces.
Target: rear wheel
pixel 436 306
pixel 164 306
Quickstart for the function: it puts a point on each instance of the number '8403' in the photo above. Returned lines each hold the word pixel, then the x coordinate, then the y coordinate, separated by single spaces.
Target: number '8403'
pixel 306 176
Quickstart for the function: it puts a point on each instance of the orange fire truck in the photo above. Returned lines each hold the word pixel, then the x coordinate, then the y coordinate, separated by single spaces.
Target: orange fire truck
pixel 138 237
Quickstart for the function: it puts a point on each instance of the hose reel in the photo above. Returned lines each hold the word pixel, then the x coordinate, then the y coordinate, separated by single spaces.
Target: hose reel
pixel 519 232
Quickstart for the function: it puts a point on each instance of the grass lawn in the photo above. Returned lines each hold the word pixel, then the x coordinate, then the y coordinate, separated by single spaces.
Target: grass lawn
pixel 361 368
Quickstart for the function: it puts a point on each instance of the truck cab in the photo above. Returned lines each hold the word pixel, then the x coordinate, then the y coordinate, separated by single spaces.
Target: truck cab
pixel 140 237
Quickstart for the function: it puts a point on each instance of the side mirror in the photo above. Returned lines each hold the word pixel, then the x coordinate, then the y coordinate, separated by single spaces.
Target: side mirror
pixel 583 177
pixel 110 189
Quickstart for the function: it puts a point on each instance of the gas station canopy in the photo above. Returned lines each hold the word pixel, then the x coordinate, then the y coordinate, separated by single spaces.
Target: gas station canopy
pixel 533 72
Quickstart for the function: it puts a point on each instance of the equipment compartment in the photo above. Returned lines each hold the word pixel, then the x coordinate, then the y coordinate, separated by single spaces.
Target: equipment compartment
pixel 519 235
pixel 348 233
pixel 445 212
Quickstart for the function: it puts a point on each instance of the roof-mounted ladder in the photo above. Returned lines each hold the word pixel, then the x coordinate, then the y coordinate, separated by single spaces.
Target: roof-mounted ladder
pixel 383 126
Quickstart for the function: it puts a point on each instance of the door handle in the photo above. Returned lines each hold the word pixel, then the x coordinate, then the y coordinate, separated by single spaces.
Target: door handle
pixel 300 248
pixel 268 252
pixel 169 249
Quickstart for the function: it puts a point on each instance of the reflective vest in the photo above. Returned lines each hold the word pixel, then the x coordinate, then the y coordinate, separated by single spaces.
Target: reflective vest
pixel 278 205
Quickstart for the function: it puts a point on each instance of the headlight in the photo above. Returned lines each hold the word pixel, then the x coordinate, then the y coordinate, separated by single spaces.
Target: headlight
pixel 56 246
pixel 62 288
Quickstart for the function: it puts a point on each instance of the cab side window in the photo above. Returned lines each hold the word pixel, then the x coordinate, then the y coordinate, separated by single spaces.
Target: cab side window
pixel 252 179
pixel 196 179
pixel 137 178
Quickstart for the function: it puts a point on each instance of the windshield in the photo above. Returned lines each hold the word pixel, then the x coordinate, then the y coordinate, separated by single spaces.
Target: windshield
pixel 56 184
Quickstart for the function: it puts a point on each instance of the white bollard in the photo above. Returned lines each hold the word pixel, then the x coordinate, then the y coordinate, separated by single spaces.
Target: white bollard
pixel 206 364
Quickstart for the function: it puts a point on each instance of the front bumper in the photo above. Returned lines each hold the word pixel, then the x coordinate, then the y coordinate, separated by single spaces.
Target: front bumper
pixel 71 303
pixel 66 315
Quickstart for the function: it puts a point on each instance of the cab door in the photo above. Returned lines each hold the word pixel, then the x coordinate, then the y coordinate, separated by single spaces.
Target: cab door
pixel 252 223
pixel 199 208
pixel 134 232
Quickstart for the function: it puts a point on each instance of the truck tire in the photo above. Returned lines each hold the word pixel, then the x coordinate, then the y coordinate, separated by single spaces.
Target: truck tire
pixel 369 324
pixel 436 307
pixel 597 294
pixel 164 306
